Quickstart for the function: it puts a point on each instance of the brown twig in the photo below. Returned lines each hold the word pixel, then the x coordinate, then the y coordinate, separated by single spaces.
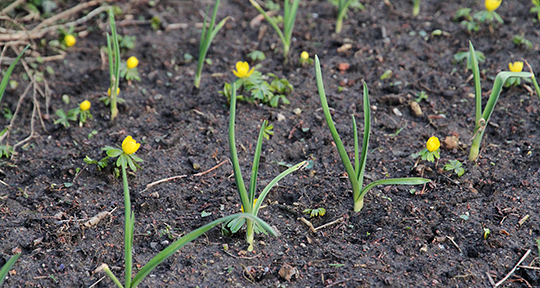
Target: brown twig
pixel 305 221
pixel 163 181
pixel 513 269
pixel 212 169
pixel 329 224
pixel 11 7
pixel 66 13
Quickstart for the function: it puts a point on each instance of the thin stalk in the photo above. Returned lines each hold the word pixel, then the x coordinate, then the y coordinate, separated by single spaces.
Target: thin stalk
pixel 207 36
pixel 114 63
pixel 337 140
pixel 105 268
pixel 416 8
pixel 343 7
pixel 477 85
pixel 128 228
pixel 479 129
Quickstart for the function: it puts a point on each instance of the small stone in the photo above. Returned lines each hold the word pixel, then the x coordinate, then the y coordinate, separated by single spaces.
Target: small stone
pixel 397 112
pixel 343 67
pixel 153 245
pixel 415 107
pixel 450 143
pixel 297 111
pixel 280 117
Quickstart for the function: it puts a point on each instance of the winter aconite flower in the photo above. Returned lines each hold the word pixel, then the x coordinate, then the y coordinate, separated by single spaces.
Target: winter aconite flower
pixel 304 56
pixel 132 62
pixel 242 70
pixel 492 5
pixel 433 144
pixel 70 40
pixel 130 146
pixel 85 105
pixel 516 66
pixel 242 206
pixel 117 91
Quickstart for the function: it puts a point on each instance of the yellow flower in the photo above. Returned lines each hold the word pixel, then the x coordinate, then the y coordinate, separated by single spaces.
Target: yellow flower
pixel 242 70
pixel 132 62
pixel 130 146
pixel 304 56
pixel 242 206
pixel 85 105
pixel 492 5
pixel 70 40
pixel 433 144
pixel 516 66
pixel 117 91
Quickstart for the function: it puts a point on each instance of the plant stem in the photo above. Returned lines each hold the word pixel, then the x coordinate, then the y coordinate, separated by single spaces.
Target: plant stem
pixel 249 234
pixel 128 229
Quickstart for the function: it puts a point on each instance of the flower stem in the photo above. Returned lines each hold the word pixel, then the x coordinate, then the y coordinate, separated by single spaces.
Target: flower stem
pixel 249 234
pixel 128 229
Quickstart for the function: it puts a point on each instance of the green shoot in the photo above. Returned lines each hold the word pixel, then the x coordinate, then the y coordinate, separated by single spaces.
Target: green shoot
pixel 207 36
pixel 5 269
pixel 482 116
pixel 522 41
pixel 256 55
pixel 114 64
pixel 5 80
pixel 466 55
pixel 533 77
pixel 416 8
pixel 289 16
pixel 536 8
pixel 356 173
pixel 456 166
pixel 489 14
pixel 250 204
pixel 315 212
pixel 343 7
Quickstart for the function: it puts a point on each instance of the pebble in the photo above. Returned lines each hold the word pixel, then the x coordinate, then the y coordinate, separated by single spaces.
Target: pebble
pixel 280 117
pixel 415 107
pixel 397 112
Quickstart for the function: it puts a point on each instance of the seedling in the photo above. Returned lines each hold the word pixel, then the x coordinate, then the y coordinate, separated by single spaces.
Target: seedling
pixel 268 131
pixel 482 117
pixel 5 269
pixel 305 59
pixel 489 14
pixel 82 112
pixel 432 149
pixel 514 67
pixel 207 35
pixel 422 95
pixel 356 173
pixel 114 65
pixel 289 16
pixel 487 233
pixel 536 8
pixel 315 212
pixel 522 41
pixel 468 21
pixel 128 70
pixel 127 158
pixel 256 55
pixel 416 8
pixel 250 204
pixel 456 166
pixel 466 55
pixel 343 7
pixel 252 82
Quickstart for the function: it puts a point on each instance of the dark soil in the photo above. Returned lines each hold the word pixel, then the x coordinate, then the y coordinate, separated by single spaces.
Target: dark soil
pixel 399 239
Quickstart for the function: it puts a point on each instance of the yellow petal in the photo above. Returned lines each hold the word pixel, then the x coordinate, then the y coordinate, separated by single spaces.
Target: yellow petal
pixel 130 146
pixel 492 5
pixel 433 144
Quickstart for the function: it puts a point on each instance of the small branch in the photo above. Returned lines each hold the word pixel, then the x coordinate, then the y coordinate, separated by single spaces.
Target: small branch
pixel 308 224
pixel 329 224
pixel 11 7
pixel 513 269
pixel 211 169
pixel 163 181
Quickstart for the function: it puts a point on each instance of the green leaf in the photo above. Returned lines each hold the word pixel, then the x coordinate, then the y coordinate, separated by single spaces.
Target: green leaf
pixel 113 152
pixel 393 181
pixel 5 269
pixel 177 245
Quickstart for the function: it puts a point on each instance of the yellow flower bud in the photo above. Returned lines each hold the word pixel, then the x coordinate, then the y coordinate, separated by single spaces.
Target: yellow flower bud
pixel 516 66
pixel 85 105
pixel 117 91
pixel 433 144
pixel 70 40
pixel 242 206
pixel 492 5
pixel 242 70
pixel 132 62
pixel 304 56
pixel 130 146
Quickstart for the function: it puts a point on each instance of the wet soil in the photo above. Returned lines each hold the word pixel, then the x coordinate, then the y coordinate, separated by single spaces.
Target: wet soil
pixel 431 236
